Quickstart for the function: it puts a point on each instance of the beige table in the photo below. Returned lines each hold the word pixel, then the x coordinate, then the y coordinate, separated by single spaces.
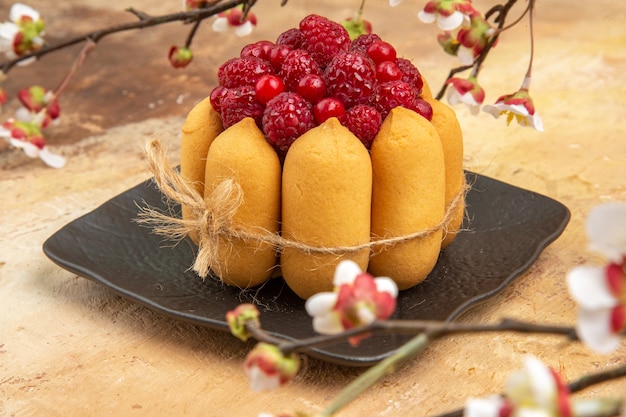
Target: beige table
pixel 71 347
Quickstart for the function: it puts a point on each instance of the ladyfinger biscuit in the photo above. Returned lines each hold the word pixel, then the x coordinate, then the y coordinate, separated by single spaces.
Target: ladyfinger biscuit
pixel 449 129
pixel 201 126
pixel 408 196
pixel 242 153
pixel 327 187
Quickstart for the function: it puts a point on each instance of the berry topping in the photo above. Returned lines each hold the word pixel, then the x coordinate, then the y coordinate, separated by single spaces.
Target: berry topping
pixel 292 37
pixel 312 87
pixel 351 77
pixel 410 74
pixel 296 65
pixel 388 71
pixel 277 56
pixel 286 117
pixel 243 71
pixel 329 107
pixel 364 121
pixel 381 51
pixel 393 94
pixel 363 42
pixel 312 73
pixel 239 103
pixel 268 87
pixel 423 108
pixel 260 49
pixel 323 38
pixel 216 97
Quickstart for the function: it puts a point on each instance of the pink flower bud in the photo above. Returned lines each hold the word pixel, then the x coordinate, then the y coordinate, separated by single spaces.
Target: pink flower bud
pixel 180 57
pixel 237 319
pixel 268 368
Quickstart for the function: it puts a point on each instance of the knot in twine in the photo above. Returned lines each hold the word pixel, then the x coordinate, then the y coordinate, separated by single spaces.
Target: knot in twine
pixel 211 217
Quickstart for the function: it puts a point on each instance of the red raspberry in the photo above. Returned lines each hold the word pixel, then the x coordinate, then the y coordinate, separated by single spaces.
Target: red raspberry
pixel 296 65
pixel 364 121
pixel 292 37
pixel 351 78
pixel 393 94
pixel 260 49
pixel 286 117
pixel 410 74
pixel 243 71
pixel 239 103
pixel 216 97
pixel 323 38
pixel 363 42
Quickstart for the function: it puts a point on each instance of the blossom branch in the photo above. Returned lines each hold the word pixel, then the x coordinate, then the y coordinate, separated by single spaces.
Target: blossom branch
pixel 144 21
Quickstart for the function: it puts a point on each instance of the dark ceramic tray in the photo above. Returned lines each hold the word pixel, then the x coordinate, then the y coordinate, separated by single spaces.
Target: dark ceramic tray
pixel 508 227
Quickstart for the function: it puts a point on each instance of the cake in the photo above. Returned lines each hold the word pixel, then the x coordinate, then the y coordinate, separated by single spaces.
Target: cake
pixel 323 148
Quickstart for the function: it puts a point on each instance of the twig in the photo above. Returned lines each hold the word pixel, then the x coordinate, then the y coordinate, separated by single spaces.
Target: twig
pixel 144 21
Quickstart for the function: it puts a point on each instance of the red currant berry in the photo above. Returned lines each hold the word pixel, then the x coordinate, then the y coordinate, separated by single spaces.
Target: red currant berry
pixel 381 51
pixel 329 107
pixel 387 71
pixel 312 87
pixel 216 97
pixel 422 107
pixel 277 56
pixel 268 87
pixel 260 49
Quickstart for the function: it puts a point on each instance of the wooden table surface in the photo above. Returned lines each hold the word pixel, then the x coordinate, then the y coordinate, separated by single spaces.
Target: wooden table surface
pixel 70 347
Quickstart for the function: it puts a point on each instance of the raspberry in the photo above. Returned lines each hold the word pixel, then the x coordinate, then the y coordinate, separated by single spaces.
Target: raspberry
pixel 243 71
pixel 364 121
pixel 292 37
pixel 363 42
pixel 323 38
pixel 239 103
pixel 260 49
pixel 410 75
pixel 351 78
pixel 286 117
pixel 296 65
pixel 216 97
pixel 393 94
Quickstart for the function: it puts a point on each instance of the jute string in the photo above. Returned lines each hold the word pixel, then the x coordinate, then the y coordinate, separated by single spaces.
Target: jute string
pixel 211 218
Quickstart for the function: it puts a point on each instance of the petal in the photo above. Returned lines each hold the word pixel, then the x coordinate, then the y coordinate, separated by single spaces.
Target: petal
pixel 542 382
pixel 605 227
pixel 24 115
pixel 29 149
pixel 346 272
pixel 245 29
pixel 466 55
pixel 260 381
pixel 451 22
pixel 327 324
pixel 320 303
pixel 51 159
pixel 594 329
pixel 426 17
pixel 8 31
pixel 515 108
pixel 18 10
pixel 588 287
pixel 220 24
pixel 366 316
pixel 483 407
pixel 536 122
pixel 394 3
pixel 492 109
pixel 385 284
